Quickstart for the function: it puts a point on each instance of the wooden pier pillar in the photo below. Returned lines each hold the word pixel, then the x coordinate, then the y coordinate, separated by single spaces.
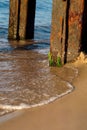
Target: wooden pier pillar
pixel 21 20
pixel 66 29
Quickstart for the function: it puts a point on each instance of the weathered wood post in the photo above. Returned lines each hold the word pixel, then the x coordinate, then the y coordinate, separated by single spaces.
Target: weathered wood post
pixel 66 29
pixel 21 20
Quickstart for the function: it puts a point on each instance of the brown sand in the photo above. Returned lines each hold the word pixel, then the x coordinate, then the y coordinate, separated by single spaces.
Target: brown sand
pixel 66 113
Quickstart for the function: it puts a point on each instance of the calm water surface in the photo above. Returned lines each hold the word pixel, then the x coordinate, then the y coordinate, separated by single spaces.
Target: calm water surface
pixel 26 80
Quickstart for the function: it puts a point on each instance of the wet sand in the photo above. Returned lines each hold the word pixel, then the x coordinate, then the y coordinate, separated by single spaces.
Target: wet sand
pixel 66 113
pixel 27 81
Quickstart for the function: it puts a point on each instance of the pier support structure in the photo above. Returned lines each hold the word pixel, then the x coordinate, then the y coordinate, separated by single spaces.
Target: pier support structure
pixel 21 20
pixel 68 31
pixel 67 20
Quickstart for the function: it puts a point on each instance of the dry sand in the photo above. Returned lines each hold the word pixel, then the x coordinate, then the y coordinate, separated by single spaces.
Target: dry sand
pixel 66 113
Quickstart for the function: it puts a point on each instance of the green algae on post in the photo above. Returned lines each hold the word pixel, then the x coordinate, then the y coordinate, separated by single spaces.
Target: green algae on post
pixel 51 63
pixel 58 63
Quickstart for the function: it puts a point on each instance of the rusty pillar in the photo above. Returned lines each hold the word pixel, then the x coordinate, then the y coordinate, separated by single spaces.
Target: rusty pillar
pixel 21 20
pixel 66 29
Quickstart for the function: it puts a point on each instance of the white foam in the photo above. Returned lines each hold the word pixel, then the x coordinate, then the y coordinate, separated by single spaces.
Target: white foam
pixel 25 106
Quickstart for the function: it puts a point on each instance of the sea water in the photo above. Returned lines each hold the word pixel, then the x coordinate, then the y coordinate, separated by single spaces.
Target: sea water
pixel 26 80
pixel 42 19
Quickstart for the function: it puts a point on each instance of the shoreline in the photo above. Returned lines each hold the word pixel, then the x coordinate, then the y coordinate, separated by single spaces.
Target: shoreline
pixel 19 111
pixel 45 89
pixel 66 113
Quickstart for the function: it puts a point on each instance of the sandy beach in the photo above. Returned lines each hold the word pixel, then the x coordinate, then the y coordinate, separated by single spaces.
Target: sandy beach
pixel 66 113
